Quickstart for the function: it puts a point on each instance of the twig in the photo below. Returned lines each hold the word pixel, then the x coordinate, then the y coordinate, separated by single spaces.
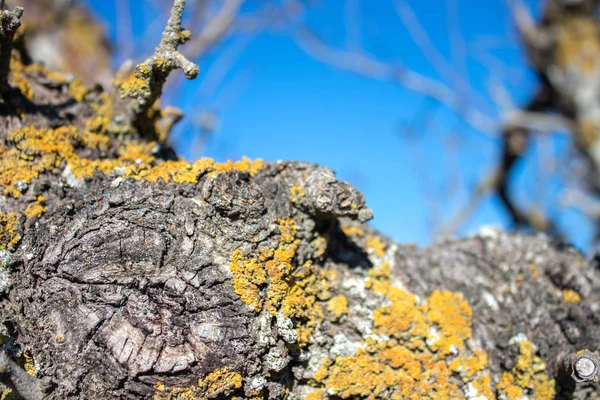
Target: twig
pixel 367 65
pixel 10 21
pixel 142 90
pixel 215 30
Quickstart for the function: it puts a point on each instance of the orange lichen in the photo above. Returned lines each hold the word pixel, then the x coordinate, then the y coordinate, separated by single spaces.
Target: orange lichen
pixel 337 307
pixel 36 209
pixel 570 296
pixel 353 231
pixel 376 245
pixel 411 356
pixel 297 194
pixel 216 385
pixel 388 372
pixel 9 230
pixel 452 315
pixel 527 377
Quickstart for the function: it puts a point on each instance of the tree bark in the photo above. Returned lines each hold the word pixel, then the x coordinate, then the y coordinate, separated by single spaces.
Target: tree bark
pixel 127 273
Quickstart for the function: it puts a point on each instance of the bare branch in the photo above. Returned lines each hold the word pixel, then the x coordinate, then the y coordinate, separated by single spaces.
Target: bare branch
pixel 369 66
pixel 215 30
pixel 458 46
pixel 352 24
pixel 10 21
pixel 536 40
pixel 485 187
pixel 142 90
pixel 421 38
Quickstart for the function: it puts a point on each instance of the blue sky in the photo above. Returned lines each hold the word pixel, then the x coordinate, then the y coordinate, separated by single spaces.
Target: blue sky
pixel 278 103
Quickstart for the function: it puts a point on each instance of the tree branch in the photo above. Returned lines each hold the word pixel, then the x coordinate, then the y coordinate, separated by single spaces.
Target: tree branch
pixel 142 90
pixel 10 21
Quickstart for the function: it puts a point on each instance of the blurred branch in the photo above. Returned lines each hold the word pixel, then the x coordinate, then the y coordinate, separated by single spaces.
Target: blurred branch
pixel 216 29
pixel 433 56
pixel 516 134
pixel 458 45
pixel 124 29
pixel 367 65
pixel 352 24
pixel 486 186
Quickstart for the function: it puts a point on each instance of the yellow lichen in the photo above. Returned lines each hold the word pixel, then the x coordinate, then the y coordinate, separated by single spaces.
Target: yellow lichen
pixel 483 385
pixel 249 274
pixel 287 230
pixel 353 231
pixel 269 281
pixel 9 230
pixel 134 86
pixel 376 245
pixel 29 364
pixel 19 80
pixel 77 90
pixel 37 150
pixel 527 377
pixel 216 385
pixel 320 245
pixel 452 315
pixel 36 209
pixel 6 394
pixel 39 69
pixel 314 395
pixel 337 307
pixel 297 194
pixel 245 164
pixel 570 296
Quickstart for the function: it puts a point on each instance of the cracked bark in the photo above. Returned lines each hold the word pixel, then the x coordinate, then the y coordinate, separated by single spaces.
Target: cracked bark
pixel 124 286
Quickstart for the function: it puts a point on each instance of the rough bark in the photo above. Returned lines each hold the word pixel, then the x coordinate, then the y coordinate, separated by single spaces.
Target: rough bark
pixel 127 273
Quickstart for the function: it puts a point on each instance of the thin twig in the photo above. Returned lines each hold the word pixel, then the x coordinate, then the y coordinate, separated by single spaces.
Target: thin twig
pixel 367 65
pixel 142 90
pixel 215 30
pixel 9 23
